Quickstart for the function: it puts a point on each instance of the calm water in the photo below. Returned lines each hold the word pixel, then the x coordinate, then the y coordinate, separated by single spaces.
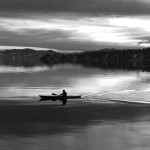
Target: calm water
pixel 94 122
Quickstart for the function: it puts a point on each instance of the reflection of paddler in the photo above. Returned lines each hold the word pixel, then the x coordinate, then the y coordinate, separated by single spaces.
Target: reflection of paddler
pixel 64 97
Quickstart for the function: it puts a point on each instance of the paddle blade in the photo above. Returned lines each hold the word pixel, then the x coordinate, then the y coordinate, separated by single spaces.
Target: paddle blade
pixel 54 94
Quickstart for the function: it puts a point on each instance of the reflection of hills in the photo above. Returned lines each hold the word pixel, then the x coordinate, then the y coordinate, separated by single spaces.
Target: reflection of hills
pixel 107 58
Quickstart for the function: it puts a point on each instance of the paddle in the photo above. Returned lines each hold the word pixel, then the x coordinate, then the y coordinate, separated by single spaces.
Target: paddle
pixel 54 94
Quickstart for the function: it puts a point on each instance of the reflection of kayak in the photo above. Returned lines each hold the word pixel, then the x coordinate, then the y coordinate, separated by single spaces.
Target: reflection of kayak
pixel 54 98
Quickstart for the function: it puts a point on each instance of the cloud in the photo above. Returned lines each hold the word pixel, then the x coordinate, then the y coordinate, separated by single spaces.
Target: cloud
pixel 74 24
pixel 79 34
pixel 88 7
pixel 71 31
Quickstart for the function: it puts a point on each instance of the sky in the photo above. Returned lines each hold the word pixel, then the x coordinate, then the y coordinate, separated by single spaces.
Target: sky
pixel 74 25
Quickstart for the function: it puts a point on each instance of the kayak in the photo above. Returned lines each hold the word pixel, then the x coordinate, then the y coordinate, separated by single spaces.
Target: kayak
pixel 56 97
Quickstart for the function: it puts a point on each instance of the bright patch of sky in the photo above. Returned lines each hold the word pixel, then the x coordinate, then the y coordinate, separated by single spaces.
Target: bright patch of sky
pixel 121 31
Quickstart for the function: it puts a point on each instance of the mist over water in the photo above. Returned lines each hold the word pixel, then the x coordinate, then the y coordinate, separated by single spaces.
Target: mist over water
pixel 89 123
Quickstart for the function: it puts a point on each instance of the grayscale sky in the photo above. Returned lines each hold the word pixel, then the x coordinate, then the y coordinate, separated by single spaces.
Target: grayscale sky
pixel 74 24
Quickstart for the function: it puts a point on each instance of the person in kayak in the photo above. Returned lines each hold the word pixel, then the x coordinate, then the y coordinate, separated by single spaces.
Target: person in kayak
pixel 64 95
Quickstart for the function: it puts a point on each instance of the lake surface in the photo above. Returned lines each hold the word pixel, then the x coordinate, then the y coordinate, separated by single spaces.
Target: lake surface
pixel 94 122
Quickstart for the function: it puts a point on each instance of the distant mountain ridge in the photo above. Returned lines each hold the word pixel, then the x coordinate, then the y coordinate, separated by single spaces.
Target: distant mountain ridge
pixel 23 57
pixel 105 58
pixel 26 51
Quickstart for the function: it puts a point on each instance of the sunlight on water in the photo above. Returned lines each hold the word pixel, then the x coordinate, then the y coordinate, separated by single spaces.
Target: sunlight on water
pixel 90 83
pixel 92 123
pixel 8 69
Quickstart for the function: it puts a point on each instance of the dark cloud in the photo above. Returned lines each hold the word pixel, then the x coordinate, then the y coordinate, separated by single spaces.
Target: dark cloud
pixel 19 14
pixel 90 7
pixel 56 39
